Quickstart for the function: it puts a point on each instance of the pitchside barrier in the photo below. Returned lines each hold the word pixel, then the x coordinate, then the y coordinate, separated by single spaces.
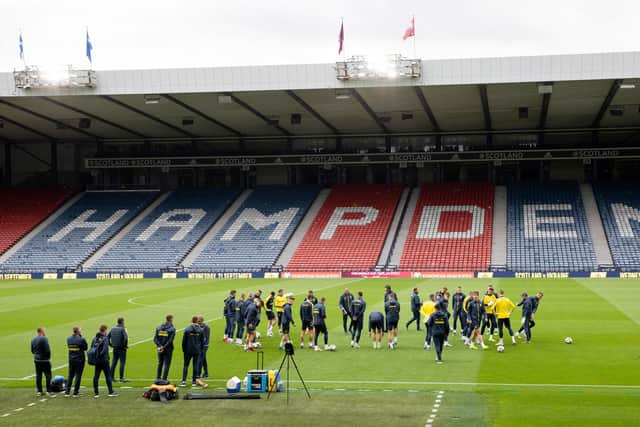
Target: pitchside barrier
pixel 323 275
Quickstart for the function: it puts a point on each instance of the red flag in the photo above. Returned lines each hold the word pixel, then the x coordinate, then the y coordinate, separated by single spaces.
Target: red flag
pixel 411 31
pixel 341 38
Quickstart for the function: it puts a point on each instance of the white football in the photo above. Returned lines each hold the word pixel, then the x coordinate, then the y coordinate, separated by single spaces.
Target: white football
pixel 257 335
pixel 500 349
pixel 332 347
pixel 568 340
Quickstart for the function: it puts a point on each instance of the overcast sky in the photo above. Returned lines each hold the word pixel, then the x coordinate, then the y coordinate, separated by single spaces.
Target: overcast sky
pixel 192 33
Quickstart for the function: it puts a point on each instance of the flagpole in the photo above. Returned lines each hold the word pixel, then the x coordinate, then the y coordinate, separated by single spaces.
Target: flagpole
pixel 342 27
pixel 24 61
pixel 413 21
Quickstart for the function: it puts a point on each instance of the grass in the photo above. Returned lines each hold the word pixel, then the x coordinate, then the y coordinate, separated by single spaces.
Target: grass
pixel 595 381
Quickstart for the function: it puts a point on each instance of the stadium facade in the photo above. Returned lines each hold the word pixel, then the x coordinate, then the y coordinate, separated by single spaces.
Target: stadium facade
pixel 495 166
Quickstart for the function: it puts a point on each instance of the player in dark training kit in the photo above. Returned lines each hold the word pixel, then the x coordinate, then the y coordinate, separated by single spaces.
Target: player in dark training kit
pixel 392 311
pixel 77 346
pixel 416 305
pixel 439 327
pixel 358 307
pixel 319 324
pixel 376 328
pixel 458 310
pixel 306 317
pixel 345 305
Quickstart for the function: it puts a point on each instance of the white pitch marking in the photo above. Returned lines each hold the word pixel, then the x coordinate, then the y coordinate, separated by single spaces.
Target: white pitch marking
pixel 434 410
pixel 18 410
pixel 43 400
pixel 31 404
pixel 438 400
pixel 5 415
pixel 436 405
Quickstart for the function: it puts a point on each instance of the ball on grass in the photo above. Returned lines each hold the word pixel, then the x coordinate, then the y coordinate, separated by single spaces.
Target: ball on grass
pixel 568 340
pixel 500 349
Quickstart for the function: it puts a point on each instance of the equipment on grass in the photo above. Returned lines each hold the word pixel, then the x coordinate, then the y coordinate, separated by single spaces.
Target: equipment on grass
pixel 500 349
pixel 288 357
pixel 568 340
pixel 263 381
pixel 240 396
pixel 161 391
pixel 234 385
pixel 57 384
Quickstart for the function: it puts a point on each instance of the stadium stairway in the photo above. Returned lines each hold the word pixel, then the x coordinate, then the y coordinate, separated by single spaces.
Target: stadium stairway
pixel 499 243
pixel 197 249
pixel 349 230
pixel 301 231
pixel 254 236
pixel 392 233
pixel 600 243
pixel 619 206
pixel 79 231
pixel 22 209
pixel 451 229
pixel 89 263
pixel 403 230
pixel 547 228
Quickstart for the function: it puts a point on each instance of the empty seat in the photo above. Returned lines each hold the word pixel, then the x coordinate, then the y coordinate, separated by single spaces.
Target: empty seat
pixel 451 229
pixel 349 229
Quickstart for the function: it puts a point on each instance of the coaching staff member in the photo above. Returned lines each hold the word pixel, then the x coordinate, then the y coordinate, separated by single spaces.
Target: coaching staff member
pixel 345 305
pixel 119 340
pixel 163 339
pixel 416 305
pixel 42 359
pixel 77 346
pixel 101 344
pixel 192 345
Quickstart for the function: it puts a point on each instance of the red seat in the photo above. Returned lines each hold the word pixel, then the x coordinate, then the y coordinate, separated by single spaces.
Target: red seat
pixel 453 253
pixel 21 209
pixel 350 247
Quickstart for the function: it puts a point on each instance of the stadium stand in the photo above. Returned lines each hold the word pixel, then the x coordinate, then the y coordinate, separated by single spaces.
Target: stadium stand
pixel 21 209
pixel 451 229
pixel 349 230
pixel 619 206
pixel 167 234
pixel 255 235
pixel 547 228
pixel 79 231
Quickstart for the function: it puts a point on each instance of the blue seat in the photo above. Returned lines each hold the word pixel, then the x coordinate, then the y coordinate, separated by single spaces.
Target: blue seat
pixel 619 206
pixel 256 234
pixel 60 246
pixel 145 249
pixel 552 244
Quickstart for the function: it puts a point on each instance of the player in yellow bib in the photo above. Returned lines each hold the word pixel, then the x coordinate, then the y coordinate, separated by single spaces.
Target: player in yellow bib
pixel 503 309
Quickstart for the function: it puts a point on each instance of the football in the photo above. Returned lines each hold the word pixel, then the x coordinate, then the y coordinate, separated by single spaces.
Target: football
pixel 568 340
pixel 500 349
pixel 332 347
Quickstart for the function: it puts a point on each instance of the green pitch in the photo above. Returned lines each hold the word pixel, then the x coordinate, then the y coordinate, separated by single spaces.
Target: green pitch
pixel 595 381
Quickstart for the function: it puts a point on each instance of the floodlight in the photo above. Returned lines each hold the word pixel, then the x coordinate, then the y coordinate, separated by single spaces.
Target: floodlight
pixel 627 86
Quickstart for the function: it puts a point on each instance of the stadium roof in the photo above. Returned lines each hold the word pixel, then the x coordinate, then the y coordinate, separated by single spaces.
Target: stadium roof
pixel 451 97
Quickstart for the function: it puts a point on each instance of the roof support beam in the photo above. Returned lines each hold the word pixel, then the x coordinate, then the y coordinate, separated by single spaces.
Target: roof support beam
pixel 27 128
pixel 148 116
pixel 427 108
pixel 33 156
pixel 613 90
pixel 257 113
pixel 203 115
pixel 49 119
pixel 311 111
pixel 355 94
pixel 544 112
pixel 93 116
pixel 484 98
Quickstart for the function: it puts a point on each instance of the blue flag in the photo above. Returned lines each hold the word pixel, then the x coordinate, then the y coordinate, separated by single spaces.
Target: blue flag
pixel 89 47
pixel 21 47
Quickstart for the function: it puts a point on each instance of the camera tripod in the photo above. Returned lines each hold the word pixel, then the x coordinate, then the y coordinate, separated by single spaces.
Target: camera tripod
pixel 288 357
